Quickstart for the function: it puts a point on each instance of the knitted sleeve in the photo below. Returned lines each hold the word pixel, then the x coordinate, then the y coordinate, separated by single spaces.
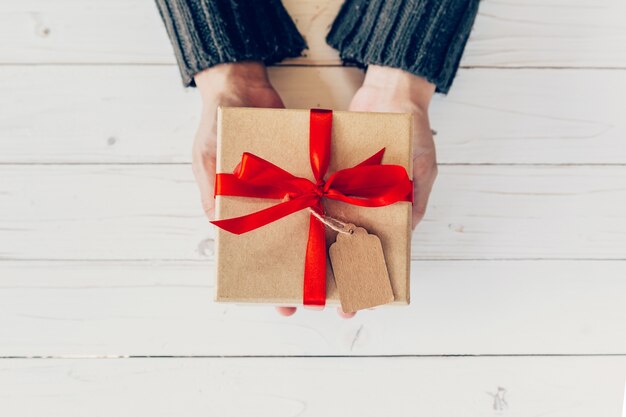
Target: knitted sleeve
pixel 423 37
pixel 209 32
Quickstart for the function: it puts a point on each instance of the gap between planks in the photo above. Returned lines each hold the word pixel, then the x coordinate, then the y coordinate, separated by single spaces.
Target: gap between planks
pixel 382 356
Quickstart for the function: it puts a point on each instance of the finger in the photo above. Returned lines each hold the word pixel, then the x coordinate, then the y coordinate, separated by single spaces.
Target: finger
pixel 203 165
pixel 345 315
pixel 419 205
pixel 424 175
pixel 286 311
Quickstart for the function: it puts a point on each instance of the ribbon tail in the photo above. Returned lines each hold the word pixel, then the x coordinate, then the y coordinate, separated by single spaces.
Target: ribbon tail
pixel 248 222
pixel 314 292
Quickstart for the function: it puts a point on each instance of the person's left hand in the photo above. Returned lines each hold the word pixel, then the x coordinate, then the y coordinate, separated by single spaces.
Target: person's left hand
pixel 392 90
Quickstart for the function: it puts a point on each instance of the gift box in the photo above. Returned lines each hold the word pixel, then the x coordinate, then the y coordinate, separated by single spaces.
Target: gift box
pixel 266 256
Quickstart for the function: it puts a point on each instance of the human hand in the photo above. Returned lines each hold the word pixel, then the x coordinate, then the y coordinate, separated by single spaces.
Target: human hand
pixel 387 89
pixel 243 84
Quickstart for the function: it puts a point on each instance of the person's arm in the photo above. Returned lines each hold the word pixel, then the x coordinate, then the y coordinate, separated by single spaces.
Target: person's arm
pixel 205 33
pixel 423 37
pixel 222 47
pixel 411 49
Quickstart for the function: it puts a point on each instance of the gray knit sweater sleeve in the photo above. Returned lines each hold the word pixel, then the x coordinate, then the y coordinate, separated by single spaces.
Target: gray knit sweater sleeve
pixel 209 32
pixel 423 37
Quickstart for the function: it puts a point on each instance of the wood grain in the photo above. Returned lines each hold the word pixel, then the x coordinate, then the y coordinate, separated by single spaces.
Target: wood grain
pixel 437 387
pixel 78 309
pixel 519 33
pixel 126 212
pixel 93 114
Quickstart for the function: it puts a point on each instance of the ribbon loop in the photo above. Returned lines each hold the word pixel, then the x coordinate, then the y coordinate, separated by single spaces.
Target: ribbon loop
pixel 320 131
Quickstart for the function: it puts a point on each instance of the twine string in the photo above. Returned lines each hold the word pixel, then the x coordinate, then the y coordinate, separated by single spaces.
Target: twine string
pixel 335 224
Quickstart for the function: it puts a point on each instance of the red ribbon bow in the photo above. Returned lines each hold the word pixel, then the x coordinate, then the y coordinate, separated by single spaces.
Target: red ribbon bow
pixel 368 184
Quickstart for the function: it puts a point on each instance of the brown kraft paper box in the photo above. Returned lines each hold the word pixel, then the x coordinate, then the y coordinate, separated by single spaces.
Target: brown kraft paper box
pixel 266 265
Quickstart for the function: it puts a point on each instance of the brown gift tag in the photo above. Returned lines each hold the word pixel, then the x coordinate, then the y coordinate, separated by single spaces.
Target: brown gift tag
pixel 360 270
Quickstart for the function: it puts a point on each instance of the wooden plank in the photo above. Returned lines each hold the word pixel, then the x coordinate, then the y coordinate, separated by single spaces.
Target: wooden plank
pixel 121 116
pixel 523 33
pixel 519 33
pixel 166 308
pixel 117 114
pixel 126 212
pixel 437 387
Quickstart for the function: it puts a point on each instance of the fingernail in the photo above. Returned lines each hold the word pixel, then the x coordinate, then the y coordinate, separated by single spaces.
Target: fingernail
pixel 286 311
pixel 345 315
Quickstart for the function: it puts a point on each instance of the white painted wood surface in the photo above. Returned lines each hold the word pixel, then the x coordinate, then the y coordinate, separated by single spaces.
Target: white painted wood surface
pixel 151 212
pixel 490 116
pixel 106 261
pixel 156 308
pixel 437 387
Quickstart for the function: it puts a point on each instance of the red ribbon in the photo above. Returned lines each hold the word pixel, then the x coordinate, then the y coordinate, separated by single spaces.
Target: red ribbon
pixel 368 184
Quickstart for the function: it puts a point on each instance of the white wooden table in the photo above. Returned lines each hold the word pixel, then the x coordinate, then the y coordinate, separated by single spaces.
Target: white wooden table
pixel 519 268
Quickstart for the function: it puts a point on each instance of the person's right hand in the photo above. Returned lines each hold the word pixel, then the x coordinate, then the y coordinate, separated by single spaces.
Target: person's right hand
pixel 242 84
